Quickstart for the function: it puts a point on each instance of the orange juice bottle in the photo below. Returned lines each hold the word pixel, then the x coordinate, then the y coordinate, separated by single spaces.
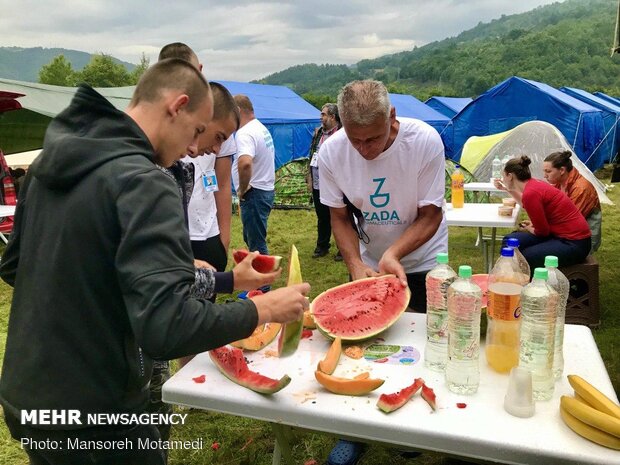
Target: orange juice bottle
pixel 503 311
pixel 458 193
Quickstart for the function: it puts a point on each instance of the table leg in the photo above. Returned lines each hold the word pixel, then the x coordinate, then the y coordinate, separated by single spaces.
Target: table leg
pixel 282 446
pixel 491 262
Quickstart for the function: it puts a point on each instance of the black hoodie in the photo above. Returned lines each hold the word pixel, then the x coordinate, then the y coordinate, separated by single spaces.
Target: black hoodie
pixel 101 264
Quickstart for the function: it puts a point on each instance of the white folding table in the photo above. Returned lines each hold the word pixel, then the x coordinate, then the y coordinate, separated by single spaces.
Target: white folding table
pixel 6 210
pixel 482 215
pixel 482 430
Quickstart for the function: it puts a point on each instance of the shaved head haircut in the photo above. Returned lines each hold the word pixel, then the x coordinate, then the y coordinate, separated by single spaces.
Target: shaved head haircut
pixel 363 102
pixel 177 50
pixel 224 105
pixel 172 74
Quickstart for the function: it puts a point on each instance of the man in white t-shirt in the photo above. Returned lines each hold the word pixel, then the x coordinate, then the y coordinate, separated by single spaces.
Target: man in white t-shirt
pixel 254 175
pixel 392 171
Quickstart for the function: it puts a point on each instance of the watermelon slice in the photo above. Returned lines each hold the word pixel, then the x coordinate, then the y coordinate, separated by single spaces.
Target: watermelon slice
pixel 291 332
pixel 262 263
pixel 482 280
pixel 231 362
pixel 390 402
pixel 429 396
pixel 360 309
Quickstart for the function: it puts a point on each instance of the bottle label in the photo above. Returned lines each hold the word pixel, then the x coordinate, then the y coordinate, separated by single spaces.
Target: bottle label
pixel 458 184
pixel 504 301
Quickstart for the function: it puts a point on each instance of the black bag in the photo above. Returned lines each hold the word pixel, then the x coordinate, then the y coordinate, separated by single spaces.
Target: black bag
pixel 357 220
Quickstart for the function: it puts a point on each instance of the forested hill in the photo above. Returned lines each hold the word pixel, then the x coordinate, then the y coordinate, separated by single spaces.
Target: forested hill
pixel 562 44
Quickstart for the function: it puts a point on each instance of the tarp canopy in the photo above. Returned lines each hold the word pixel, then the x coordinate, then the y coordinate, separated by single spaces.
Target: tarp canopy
pixel 517 100
pixel 609 98
pixel 611 117
pixel 448 106
pixel 410 107
pixel 536 139
pixel 290 119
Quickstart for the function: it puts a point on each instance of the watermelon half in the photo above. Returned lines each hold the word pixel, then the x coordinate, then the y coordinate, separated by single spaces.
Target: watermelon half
pixel 360 309
pixel 290 335
pixel 231 362
pixel 262 263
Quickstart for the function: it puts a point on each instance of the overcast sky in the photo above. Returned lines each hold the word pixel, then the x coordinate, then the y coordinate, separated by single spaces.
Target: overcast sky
pixel 245 40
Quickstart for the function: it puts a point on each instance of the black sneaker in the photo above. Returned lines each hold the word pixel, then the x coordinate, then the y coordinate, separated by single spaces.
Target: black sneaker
pixel 320 253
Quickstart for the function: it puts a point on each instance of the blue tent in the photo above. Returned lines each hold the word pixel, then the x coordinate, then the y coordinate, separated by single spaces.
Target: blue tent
pixel 448 106
pixel 608 98
pixel 517 100
pixel 611 118
pixel 290 119
pixel 410 107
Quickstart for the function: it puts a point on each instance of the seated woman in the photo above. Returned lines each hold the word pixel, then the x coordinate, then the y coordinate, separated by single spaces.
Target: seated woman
pixel 556 227
pixel 559 172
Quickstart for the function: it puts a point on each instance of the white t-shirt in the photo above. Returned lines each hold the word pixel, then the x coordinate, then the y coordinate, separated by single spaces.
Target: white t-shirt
pixel 254 140
pixel 201 210
pixel 389 189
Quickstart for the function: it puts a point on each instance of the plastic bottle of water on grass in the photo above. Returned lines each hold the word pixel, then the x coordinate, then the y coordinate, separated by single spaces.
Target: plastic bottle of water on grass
pixel 464 305
pixel 503 312
pixel 437 282
pixel 538 314
pixel 560 284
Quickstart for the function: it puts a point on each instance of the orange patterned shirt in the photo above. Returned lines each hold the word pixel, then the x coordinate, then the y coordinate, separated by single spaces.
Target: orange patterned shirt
pixel 581 192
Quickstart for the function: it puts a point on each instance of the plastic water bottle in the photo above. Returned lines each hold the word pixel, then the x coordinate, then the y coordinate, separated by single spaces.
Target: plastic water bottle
pixel 496 170
pixel 503 312
pixel 505 160
pixel 437 282
pixel 458 190
pixel 464 305
pixel 538 314
pixel 560 284
pixel 524 266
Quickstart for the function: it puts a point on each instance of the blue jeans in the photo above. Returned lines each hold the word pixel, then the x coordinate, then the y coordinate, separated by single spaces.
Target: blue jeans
pixel 255 209
pixel 535 249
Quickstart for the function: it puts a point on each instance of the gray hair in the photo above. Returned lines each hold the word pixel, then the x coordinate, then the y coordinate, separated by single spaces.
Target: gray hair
pixel 363 102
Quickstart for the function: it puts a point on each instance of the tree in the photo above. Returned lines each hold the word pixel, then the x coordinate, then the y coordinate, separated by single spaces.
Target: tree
pixel 101 71
pixel 57 72
pixel 139 70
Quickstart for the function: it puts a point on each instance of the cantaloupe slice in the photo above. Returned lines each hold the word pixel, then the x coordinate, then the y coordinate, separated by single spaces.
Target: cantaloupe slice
pixel 308 320
pixel 347 386
pixel 291 332
pixel 364 375
pixel 261 337
pixel 332 357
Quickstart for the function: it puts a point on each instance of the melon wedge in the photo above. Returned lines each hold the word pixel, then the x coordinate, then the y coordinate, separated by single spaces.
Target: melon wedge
pixel 231 362
pixel 308 320
pixel 291 332
pixel 390 402
pixel 329 363
pixel 360 309
pixel 261 337
pixel 262 263
pixel 350 387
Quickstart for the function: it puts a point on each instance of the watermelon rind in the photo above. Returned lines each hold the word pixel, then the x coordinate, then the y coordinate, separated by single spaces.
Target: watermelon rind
pixel 373 322
pixel 290 335
pixel 231 363
pixel 390 402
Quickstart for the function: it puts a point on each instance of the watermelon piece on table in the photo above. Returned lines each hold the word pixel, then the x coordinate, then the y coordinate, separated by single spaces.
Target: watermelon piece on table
pixel 290 335
pixel 262 263
pixel 231 362
pixel 390 402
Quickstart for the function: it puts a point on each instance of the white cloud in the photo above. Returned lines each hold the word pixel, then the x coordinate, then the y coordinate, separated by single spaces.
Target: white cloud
pixel 252 38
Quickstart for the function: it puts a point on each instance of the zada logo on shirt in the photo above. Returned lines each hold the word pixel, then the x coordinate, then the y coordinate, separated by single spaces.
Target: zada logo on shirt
pixel 380 201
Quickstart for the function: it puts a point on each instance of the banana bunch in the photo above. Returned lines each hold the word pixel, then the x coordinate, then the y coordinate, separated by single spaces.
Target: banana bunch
pixel 591 414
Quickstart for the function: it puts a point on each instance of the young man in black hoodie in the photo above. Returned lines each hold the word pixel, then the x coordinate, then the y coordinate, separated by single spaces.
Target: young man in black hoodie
pixel 103 274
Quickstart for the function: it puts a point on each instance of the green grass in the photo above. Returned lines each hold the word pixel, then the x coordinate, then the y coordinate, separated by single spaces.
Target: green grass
pixel 250 442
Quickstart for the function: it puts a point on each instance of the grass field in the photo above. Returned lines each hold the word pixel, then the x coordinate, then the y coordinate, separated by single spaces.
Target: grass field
pixel 250 442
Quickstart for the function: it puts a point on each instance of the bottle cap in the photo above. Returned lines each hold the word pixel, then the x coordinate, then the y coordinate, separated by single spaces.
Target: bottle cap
pixel 457 166
pixel 464 271
pixel 442 257
pixel 551 260
pixel 512 242
pixel 519 400
pixel 508 252
pixel 541 273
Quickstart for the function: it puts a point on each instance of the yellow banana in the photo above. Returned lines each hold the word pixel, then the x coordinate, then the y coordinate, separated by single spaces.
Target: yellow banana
pixel 588 432
pixel 593 396
pixel 591 416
